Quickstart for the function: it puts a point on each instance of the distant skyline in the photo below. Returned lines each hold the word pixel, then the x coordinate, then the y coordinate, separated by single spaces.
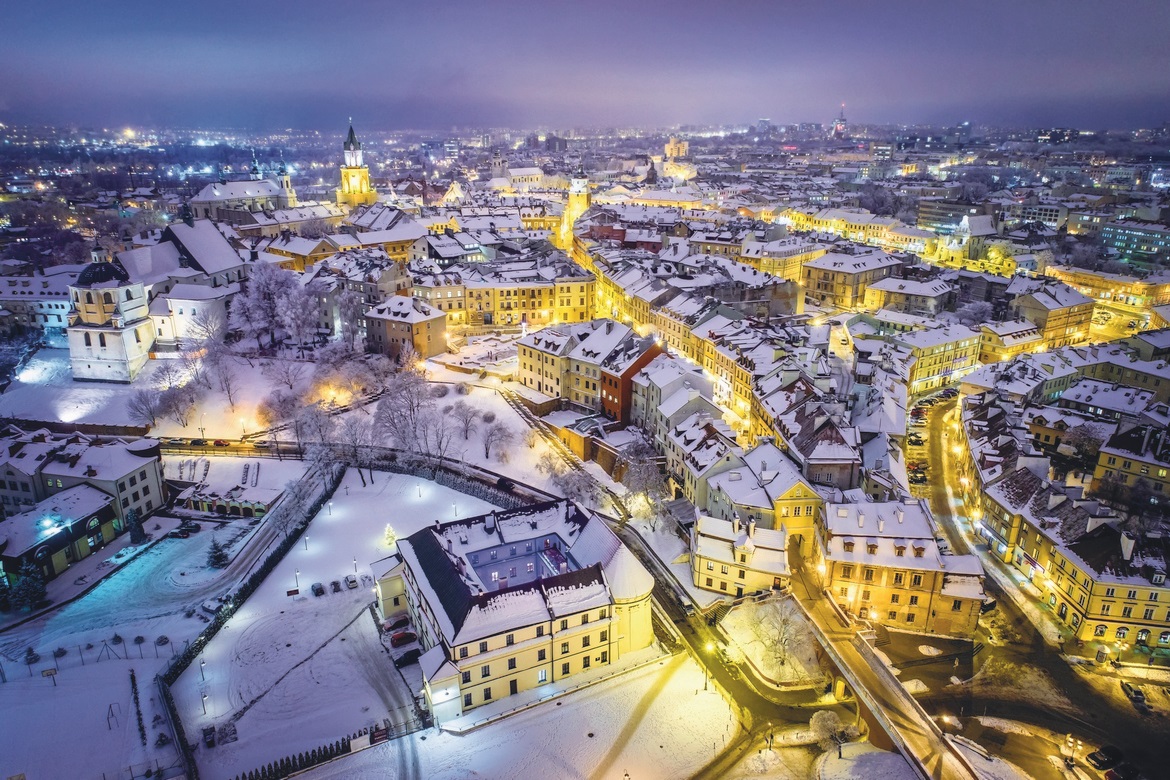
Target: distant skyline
pixel 435 65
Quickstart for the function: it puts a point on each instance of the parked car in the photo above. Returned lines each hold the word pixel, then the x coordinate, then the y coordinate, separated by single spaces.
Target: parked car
pixel 318 589
pixel 191 527
pixel 351 581
pixel 173 440
pixel 1134 693
pixel 402 638
pixel 261 445
pixel 1107 757
pixel 209 736
pixel 918 465
pixel 178 533
pixel 335 586
pixel 221 443
pixel 398 623
pixel 1123 772
pixel 917 478
pixel 199 442
pixel 411 656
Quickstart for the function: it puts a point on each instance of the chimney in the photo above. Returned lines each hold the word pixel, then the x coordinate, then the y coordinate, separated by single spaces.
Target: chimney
pixel 861 519
pixel 1127 543
pixel 751 528
pixel 881 525
pixel 490 523
pixel 735 523
pixel 900 512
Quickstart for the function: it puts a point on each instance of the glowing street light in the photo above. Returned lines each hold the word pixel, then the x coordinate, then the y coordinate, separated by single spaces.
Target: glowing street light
pixel 706 672
pixel 202 664
pixel 205 704
pixel 297 576
pixel 330 508
pixel 306 542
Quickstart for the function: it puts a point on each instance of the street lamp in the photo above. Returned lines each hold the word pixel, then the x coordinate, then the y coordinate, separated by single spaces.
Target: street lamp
pixel 297 575
pixel 706 671
pixel 204 704
pixel 202 664
pixel 419 486
pixel 202 430
pixel 306 542
pixel 456 510
pixel 243 431
pixel 355 564
pixel 331 509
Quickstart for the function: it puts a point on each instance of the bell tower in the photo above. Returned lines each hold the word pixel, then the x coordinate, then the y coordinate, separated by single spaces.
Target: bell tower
pixel 288 195
pixel 578 203
pixel 355 189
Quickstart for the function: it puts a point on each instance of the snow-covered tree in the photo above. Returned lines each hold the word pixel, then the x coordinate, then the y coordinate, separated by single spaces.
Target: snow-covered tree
pixel 828 730
pixel 356 434
pixel 297 310
pixel 975 312
pixel 351 309
pixel 223 373
pixel 256 310
pixel 285 372
pixel 465 416
pixel 277 407
pixel 134 523
pixel 575 485
pixel 496 435
pixel 390 538
pixel 217 557
pixel 780 629
pixel 399 414
pixel 169 375
pixel 178 403
pixel 144 406
pixel 29 590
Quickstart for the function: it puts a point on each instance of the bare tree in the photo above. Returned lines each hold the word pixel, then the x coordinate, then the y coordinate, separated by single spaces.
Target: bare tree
pixel 399 414
pixel 355 434
pixel 531 437
pixel 496 435
pixel 178 403
pixel 975 312
pixel 207 325
pixel 169 375
pixel 224 375
pixel 465 416
pixel 195 365
pixel 828 730
pixel 316 425
pixel 315 227
pixel 351 309
pixel 576 485
pixel 284 372
pixel 144 406
pixel 780 629
pixel 279 406
pixel 437 435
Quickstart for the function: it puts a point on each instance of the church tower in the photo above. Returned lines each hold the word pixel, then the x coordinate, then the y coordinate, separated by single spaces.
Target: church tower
pixel 578 204
pixel 355 189
pixel 499 165
pixel 288 196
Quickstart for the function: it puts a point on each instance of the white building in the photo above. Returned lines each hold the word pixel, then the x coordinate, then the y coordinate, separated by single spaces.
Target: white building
pixel 110 333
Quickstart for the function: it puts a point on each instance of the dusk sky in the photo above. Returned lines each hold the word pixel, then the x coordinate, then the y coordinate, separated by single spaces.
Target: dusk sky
pixel 439 64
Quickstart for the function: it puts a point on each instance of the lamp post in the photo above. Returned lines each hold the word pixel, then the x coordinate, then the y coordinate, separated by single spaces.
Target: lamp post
pixel 455 509
pixel 297 575
pixel 419 486
pixel 202 430
pixel 306 542
pixel 355 564
pixel 202 664
pixel 204 698
pixel 331 509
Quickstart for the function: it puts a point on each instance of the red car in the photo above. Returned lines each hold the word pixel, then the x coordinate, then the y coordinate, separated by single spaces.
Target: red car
pixel 402 638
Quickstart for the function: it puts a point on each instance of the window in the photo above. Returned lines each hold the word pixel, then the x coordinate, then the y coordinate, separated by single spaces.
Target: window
pixel 847 572
pixel 541 654
pixel 585 641
pixel 564 648
pixel 1164 638
pixel 510 639
pixel 585 662
pixel 1122 632
pixel 485 670
pixel 894 599
pixel 710 566
pixel 723 569
pixel 910 618
pixel 604 636
pixel 892 615
pixel 871 549
pixel 899 578
pixel 722 586
pixel 915 580
pixel 466 677
pixel 914 601
pixel 542 676
pixel 900 552
pixel 1148 614
pixel 1099 630
pixel 467 700
pixel 564 670
pixel 585 618
pixel 1106 609
pixel 868 575
pixel 865 595
pixel 742 574
pixel 1127 612
pixel 483 647
pixel 487 694
pixel 511 663
pixel 564 625
pixel 540 630
pixel 844 592
pixel 1108 592
pixel 1131 595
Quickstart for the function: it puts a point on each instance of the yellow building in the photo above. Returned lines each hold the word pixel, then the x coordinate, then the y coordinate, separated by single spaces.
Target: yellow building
pixel 404 325
pixel 1000 341
pixel 939 356
pixel 1062 314
pixel 880 562
pixel 734 558
pixel 839 280
pixel 355 189
pixel 675 148
pixel 512 600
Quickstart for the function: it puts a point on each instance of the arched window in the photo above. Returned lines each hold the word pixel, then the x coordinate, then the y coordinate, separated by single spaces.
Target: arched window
pixel 89 297
pixel 1164 638
pixel 1122 632
pixel 107 298
pixel 92 524
pixel 129 297
pixel 88 342
pixel 1142 636
pixel 1099 631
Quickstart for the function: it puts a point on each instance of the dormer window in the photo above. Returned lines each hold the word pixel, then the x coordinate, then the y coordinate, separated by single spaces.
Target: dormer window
pixel 918 551
pixel 900 552
pixel 871 549
pixel 848 547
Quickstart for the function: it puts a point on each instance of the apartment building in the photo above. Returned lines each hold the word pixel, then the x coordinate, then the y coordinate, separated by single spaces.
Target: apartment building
pixel 839 280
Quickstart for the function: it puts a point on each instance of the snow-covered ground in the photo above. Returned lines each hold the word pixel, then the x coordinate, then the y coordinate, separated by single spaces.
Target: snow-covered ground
pixel 294 671
pixel 494 354
pixel 988 766
pixel 656 722
pixel 863 761
pixel 755 629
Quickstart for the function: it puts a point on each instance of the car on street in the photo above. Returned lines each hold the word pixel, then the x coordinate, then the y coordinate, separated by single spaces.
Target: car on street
pixel 178 533
pixel 221 443
pixel 411 656
pixel 916 441
pixel 1123 772
pixel 261 445
pixel 191 527
pixel 351 581
pixel 398 623
pixel 950 392
pixel 1107 757
pixel 318 589
pixel 918 422
pixel 402 638
pixel 917 478
pixel 918 465
pixel 335 586
pixel 173 440
pixel 199 442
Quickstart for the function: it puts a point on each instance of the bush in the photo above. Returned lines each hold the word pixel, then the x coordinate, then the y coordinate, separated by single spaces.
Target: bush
pixel 31 656
pixel 489 417
pixel 60 652
pixel 440 391
pixel 463 388
pixel 117 639
pixel 139 640
pixel 163 640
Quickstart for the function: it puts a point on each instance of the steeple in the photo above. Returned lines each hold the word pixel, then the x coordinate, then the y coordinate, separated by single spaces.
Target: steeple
pixel 352 148
pixel 255 167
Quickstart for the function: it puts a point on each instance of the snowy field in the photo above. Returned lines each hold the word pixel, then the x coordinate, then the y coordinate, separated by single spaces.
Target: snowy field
pixel 657 722
pixel 156 595
pixel 862 761
pixel 294 671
